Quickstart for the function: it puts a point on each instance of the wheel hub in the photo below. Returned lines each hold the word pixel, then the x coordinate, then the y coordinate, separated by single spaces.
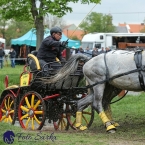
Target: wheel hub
pixel 31 112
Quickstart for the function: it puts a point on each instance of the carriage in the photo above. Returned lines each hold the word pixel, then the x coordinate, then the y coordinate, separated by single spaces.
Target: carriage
pixel 36 103
pixel 58 99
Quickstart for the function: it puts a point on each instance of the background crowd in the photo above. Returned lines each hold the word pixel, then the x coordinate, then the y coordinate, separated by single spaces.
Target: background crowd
pixel 11 54
pixel 86 51
pixel 4 56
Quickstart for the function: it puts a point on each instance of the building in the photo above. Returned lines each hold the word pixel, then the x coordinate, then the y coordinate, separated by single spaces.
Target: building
pixel 134 28
pixel 121 29
pixel 72 31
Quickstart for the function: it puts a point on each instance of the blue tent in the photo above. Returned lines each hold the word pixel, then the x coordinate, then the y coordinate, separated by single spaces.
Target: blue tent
pixel 30 39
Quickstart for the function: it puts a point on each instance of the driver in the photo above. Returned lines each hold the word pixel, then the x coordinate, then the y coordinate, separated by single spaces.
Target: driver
pixel 51 47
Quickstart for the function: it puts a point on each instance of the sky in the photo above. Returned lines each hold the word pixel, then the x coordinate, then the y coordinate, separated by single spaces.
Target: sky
pixel 129 11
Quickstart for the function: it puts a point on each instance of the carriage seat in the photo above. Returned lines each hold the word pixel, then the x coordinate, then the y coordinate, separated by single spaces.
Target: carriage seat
pixel 35 66
pixel 33 62
pixel 34 52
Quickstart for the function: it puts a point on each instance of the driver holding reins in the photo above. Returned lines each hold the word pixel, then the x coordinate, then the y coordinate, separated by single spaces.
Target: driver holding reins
pixel 51 47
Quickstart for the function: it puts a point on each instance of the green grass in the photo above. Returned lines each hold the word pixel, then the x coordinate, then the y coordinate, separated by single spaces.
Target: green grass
pixel 129 113
pixel 13 74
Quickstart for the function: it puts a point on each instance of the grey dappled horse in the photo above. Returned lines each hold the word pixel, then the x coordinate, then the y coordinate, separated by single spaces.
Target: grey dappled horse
pixel 95 70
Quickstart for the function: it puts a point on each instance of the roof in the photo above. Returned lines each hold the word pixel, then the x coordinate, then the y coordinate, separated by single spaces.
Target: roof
pixel 121 29
pixel 70 27
pixel 30 39
pixel 70 33
pixel 72 30
pixel 134 28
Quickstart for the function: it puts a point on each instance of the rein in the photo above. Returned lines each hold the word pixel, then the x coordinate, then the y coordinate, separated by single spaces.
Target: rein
pixel 119 98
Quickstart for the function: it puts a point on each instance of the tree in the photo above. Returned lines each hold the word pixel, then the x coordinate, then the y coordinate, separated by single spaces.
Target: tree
pixel 143 30
pixel 36 10
pixel 16 29
pixel 74 38
pixel 97 22
pixel 3 26
pixel 51 21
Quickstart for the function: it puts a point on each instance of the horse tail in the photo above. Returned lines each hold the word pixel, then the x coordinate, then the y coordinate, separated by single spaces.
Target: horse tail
pixel 69 68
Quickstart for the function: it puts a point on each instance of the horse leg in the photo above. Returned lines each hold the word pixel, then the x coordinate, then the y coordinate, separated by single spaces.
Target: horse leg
pixel 81 104
pixel 109 93
pixel 97 104
pixel 108 112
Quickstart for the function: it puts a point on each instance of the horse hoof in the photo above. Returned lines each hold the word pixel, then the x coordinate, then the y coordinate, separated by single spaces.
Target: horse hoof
pixel 116 124
pixel 82 128
pixel 111 131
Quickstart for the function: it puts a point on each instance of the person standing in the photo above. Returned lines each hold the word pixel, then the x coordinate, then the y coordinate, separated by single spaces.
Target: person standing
pixel 80 50
pixel 2 53
pixel 108 49
pixel 12 57
pixel 88 52
pixel 73 50
pixel 94 52
pixel 102 51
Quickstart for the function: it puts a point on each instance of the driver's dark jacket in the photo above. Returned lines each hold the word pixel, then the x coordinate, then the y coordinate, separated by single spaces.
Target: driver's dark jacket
pixel 49 50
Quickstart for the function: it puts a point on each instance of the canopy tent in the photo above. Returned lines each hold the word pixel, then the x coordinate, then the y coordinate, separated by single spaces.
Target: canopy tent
pixel 30 39
pixel 2 40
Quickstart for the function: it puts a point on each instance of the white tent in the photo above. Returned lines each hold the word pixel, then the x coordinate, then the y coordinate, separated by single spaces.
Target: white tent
pixel 2 40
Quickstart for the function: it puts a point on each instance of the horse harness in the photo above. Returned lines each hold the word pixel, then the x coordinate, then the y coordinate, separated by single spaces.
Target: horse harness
pixel 139 69
pixel 138 62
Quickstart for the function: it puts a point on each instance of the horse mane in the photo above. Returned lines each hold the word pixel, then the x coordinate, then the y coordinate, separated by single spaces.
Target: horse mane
pixel 68 68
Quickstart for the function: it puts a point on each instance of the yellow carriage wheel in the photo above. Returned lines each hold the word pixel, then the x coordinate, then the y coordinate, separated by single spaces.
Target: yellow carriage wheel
pixel 7 109
pixel 32 111
pixel 87 116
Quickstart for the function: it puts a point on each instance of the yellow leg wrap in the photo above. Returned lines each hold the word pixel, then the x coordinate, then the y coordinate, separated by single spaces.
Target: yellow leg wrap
pixel 110 127
pixel 78 119
pixel 104 117
pixel 108 113
pixel 83 127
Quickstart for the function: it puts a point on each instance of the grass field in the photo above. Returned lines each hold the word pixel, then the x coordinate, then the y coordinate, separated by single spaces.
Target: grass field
pixel 129 113
pixel 13 74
